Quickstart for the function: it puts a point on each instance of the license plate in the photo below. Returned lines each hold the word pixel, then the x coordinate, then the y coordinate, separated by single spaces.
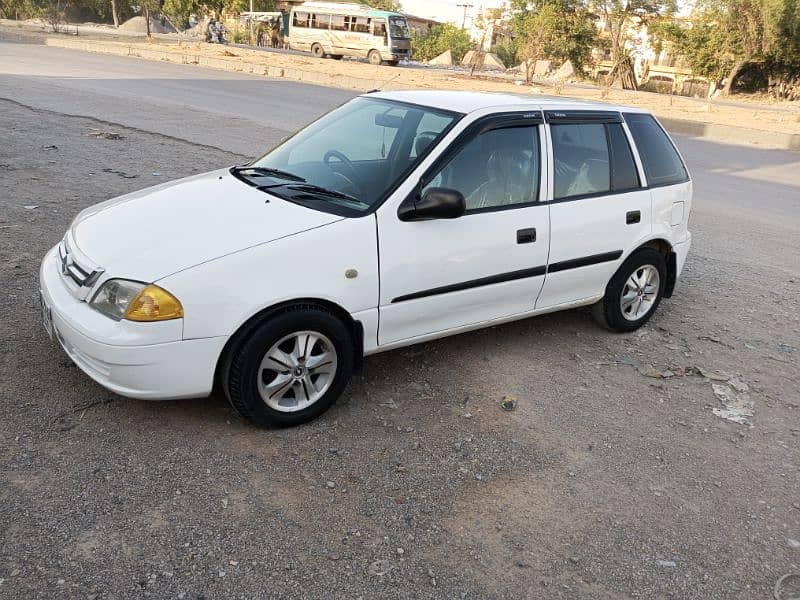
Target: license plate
pixel 47 316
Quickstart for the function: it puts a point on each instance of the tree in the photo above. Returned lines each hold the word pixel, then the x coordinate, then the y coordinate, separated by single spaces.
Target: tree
pixel 440 38
pixel 620 18
pixel 390 5
pixel 553 29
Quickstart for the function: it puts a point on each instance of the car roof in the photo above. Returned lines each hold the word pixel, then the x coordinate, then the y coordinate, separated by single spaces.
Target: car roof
pixel 467 102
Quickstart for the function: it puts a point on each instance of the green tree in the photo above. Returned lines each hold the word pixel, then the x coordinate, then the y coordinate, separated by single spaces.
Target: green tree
pixel 620 19
pixel 390 5
pixel 553 29
pixel 440 38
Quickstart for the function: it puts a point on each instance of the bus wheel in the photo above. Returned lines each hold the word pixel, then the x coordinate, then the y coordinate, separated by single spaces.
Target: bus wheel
pixel 317 51
pixel 374 57
pixel 336 56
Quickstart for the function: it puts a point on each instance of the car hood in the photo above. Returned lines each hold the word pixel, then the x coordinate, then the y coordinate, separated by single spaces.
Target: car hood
pixel 152 233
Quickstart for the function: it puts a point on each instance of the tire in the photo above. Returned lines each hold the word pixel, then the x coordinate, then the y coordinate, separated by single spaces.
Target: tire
pixel 374 57
pixel 627 304
pixel 318 51
pixel 284 393
pixel 336 56
pixel 392 63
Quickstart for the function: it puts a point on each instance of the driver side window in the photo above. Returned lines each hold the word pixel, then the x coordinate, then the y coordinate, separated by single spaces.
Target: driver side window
pixel 496 169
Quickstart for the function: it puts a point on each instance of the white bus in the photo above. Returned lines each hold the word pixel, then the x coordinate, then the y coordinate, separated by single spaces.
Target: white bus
pixel 337 30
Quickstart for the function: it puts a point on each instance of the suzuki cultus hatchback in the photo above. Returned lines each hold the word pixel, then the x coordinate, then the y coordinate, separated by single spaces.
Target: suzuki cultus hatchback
pixel 397 218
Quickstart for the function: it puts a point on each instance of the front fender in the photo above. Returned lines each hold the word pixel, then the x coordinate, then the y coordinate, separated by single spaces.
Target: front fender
pixel 220 295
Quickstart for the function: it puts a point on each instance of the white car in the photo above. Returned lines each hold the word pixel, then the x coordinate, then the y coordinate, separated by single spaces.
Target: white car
pixel 396 218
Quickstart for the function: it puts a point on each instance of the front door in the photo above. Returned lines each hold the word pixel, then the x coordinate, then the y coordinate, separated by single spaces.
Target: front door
pixel 441 275
pixel 598 211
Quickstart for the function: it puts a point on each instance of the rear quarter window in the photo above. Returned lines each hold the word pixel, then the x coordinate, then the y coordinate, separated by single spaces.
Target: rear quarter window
pixel 662 165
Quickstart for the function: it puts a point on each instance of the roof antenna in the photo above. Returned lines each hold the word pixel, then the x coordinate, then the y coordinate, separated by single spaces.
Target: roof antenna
pixel 384 84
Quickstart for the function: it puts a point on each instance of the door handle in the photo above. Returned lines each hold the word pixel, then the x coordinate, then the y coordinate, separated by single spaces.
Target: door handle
pixel 633 216
pixel 526 236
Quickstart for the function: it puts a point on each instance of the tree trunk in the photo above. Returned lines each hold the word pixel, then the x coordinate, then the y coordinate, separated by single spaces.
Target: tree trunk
pixel 147 20
pixel 726 91
pixel 114 12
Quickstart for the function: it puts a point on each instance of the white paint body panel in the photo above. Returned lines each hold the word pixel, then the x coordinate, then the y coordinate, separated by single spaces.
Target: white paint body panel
pixel 229 251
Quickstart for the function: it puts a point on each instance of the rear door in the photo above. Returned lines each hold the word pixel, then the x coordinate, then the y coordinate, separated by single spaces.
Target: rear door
pixel 598 207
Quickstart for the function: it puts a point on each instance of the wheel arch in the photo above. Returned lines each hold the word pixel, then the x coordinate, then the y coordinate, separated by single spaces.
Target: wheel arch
pixel 664 247
pixel 354 326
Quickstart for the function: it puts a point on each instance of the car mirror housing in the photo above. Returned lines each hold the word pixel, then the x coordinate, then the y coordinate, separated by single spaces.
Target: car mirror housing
pixel 435 203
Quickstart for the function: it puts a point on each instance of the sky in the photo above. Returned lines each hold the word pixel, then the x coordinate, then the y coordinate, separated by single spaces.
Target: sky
pixel 446 10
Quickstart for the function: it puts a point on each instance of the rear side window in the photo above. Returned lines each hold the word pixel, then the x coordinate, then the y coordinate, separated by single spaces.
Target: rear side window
pixel 592 159
pixel 662 165
pixel 623 168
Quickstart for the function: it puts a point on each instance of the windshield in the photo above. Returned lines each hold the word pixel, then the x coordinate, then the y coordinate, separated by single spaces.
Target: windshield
pixel 350 159
pixel 398 28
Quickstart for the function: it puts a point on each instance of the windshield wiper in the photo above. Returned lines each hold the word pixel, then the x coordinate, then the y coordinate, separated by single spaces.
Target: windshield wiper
pixel 316 189
pixel 270 172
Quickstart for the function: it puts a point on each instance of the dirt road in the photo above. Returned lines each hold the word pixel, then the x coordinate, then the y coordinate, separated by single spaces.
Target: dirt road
pixel 613 477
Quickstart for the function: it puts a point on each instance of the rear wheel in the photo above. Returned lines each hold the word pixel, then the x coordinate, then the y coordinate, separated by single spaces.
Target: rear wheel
pixel 317 51
pixel 374 57
pixel 291 368
pixel 634 292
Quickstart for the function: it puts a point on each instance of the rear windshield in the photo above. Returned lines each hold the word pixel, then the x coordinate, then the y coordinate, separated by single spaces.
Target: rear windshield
pixel 662 165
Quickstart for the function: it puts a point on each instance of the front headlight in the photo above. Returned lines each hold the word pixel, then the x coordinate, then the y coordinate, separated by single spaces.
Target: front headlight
pixel 136 301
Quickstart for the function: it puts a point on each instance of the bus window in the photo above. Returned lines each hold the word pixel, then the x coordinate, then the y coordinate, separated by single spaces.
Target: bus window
pixel 349 21
pixel 338 23
pixel 361 25
pixel 320 21
pixel 300 19
pixel 398 28
pixel 379 28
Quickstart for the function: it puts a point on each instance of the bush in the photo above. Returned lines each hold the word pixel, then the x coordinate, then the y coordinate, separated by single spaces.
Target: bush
pixel 440 38
pixel 506 51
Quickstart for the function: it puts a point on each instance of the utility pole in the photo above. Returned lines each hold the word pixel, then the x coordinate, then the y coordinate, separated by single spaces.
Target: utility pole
pixel 464 19
pixel 251 22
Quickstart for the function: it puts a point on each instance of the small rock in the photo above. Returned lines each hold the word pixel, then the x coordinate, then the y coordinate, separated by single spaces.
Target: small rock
pixel 400 551
pixel 667 563
pixel 793 543
pixel 330 485
pixel 467 415
pixel 333 450
pixel 233 563
pixel 31 206
pixel 221 573
pixel 14 573
pixel 60 582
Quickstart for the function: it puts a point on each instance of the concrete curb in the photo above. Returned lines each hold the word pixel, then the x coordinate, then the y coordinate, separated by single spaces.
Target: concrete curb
pixel 729 134
pixel 711 131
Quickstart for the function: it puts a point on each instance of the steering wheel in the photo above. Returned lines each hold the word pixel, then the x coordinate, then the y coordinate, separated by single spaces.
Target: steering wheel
pixel 351 175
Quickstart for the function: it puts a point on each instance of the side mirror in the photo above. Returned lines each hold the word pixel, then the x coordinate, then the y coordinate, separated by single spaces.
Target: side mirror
pixel 435 203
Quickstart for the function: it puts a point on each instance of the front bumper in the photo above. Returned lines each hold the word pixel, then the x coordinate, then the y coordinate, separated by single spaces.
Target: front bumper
pixel 138 360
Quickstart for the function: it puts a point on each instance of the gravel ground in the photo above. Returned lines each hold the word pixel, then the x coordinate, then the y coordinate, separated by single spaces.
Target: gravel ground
pixel 612 478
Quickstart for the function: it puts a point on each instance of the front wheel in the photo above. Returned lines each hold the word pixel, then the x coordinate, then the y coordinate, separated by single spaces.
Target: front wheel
pixel 634 292
pixel 291 368
pixel 374 57
pixel 318 51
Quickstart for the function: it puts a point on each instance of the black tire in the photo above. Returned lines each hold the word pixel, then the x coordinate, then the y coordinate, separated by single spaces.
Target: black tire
pixel 374 57
pixel 336 56
pixel 608 312
pixel 318 51
pixel 240 369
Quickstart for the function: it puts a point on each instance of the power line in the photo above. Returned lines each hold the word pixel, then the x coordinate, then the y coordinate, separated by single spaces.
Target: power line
pixel 464 20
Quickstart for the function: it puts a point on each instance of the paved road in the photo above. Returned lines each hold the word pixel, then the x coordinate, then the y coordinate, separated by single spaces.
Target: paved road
pixel 603 483
pixel 246 114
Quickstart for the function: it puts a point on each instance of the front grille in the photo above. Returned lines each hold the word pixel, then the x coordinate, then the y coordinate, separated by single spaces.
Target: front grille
pixel 81 275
